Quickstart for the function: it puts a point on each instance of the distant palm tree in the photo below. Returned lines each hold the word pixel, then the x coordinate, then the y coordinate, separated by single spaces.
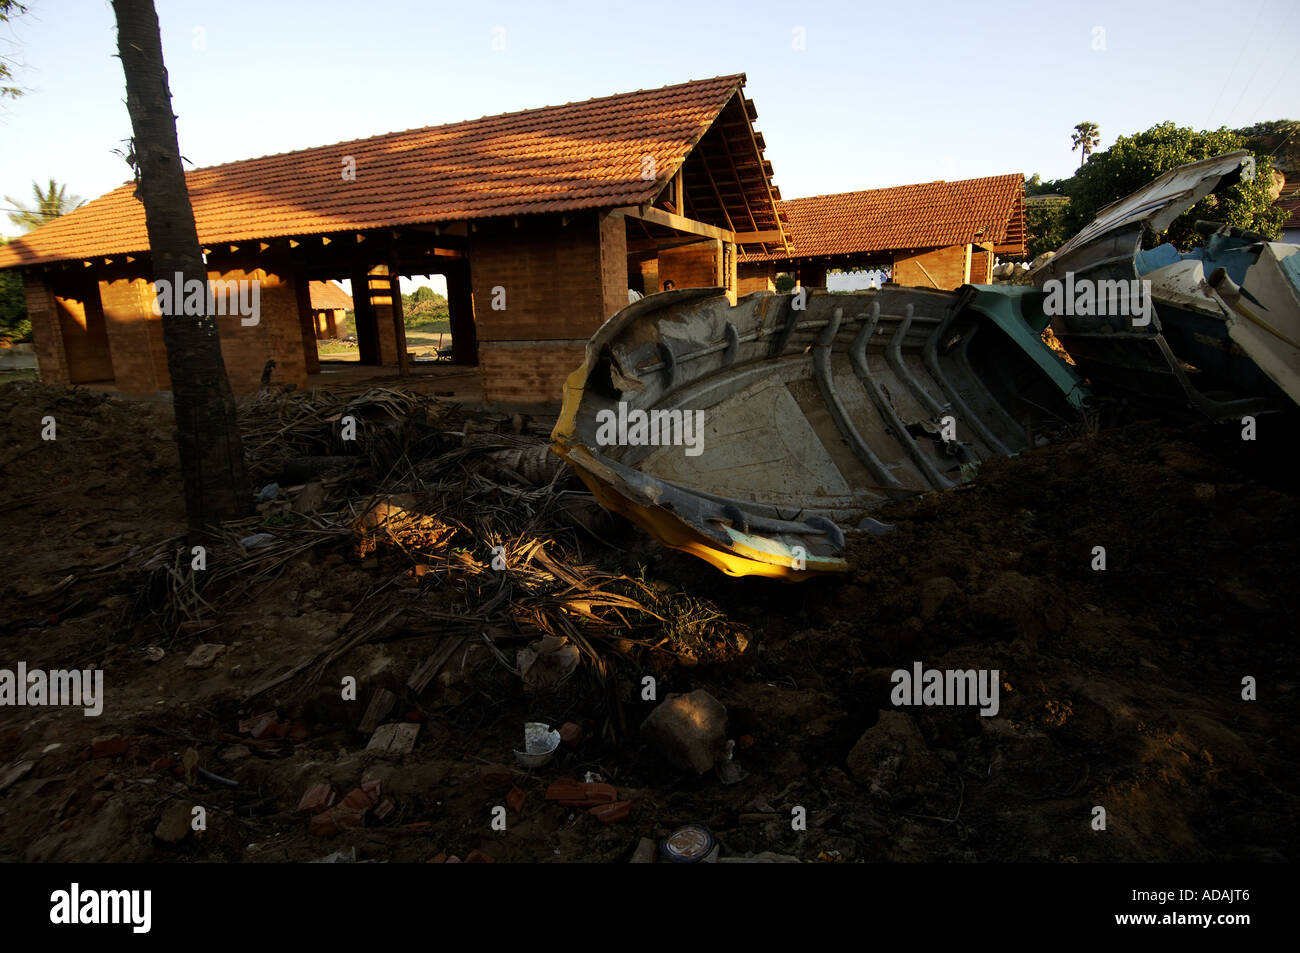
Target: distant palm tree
pixel 1086 137
pixel 48 206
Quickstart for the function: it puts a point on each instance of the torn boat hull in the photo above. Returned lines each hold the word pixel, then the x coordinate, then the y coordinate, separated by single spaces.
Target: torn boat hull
pixel 753 436
pixel 1195 349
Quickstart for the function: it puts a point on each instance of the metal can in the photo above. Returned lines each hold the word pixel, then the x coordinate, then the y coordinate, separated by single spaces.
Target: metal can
pixel 688 845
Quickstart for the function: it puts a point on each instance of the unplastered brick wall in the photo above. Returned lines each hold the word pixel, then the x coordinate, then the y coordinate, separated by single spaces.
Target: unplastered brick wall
pixel 516 373
pixel 545 280
pixel 943 268
pixel 47 340
pixel 381 301
pixel 81 325
pixel 134 335
pixel 758 276
pixel 697 265
pixel 277 335
pixel 542 280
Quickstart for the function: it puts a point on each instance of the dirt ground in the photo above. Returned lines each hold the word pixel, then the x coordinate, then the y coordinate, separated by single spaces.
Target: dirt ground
pixel 1120 688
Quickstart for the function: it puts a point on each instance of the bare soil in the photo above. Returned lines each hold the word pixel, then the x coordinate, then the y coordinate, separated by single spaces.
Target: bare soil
pixel 1121 688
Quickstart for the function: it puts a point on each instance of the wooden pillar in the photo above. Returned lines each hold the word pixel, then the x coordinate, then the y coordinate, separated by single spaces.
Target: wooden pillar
pixel 367 331
pixel 399 322
pixel 460 310
pixel 307 322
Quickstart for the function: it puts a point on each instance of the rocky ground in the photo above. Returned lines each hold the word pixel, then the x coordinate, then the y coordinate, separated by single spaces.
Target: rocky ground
pixel 1119 688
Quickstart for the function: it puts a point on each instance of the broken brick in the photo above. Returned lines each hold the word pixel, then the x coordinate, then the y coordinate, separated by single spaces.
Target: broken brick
pixel 259 726
pixel 317 798
pixel 614 811
pixel 496 777
pixel 573 793
pixel 163 765
pixel 515 799
pixel 478 857
pixel 364 797
pixel 571 733
pixel 108 746
pixel 336 820
pixel 394 738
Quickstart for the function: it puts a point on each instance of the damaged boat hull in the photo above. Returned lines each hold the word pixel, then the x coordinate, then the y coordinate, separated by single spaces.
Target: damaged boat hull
pixel 811 416
pixel 1194 350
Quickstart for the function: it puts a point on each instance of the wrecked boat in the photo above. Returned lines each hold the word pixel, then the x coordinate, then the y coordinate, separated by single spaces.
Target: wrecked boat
pixel 1218 329
pixel 754 436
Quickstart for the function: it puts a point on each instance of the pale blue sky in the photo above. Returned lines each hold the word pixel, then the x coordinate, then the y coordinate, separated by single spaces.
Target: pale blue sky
pixel 882 94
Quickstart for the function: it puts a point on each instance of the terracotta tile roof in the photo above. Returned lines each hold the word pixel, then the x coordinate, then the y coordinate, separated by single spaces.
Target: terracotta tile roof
pixel 326 295
pixel 557 158
pixel 929 215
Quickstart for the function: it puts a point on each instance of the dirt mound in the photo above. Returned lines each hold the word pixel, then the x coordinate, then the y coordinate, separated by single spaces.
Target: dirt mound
pixel 1119 688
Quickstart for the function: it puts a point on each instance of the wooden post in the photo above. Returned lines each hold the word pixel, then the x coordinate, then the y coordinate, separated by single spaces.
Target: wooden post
pixel 306 322
pixel 399 322
pixel 364 313
pixel 460 310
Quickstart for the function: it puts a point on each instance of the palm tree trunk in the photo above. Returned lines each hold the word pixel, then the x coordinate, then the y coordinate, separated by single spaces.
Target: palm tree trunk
pixel 207 429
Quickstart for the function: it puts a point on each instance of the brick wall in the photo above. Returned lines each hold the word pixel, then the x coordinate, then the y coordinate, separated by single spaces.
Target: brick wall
pixel 277 335
pixel 613 265
pixel 47 341
pixel 381 300
pixel 944 268
pixel 650 276
pixel 560 282
pixel 134 336
pixel 697 265
pixel 758 276
pixel 80 322
pixel 552 277
pixel 110 332
pixel 524 372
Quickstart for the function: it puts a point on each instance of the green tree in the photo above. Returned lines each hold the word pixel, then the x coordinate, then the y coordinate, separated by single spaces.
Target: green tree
pixel 1035 185
pixel 13 306
pixel 1133 161
pixel 8 10
pixel 46 206
pixel 1086 136
pixel 1045 225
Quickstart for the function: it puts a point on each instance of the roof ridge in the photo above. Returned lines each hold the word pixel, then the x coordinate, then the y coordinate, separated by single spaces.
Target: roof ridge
pixel 738 78
pixel 908 185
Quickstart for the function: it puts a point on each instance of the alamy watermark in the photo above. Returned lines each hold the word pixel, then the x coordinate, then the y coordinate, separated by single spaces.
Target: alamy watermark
pixel 81 689
pixel 1092 297
pixel 98 907
pixel 200 298
pixel 655 428
pixel 922 686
